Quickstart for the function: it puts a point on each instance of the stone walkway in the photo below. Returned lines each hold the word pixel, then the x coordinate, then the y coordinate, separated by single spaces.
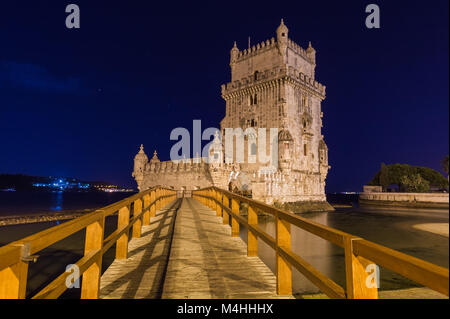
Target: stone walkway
pixel 436 228
pixel 206 262
pixel 142 274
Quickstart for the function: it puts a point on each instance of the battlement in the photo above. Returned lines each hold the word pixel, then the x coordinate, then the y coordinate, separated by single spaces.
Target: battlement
pixel 256 49
pixel 267 76
pixel 268 45
pixel 183 165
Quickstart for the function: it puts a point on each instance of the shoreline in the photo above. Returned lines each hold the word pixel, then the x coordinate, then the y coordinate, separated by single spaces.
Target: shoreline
pixel 416 200
pixel 43 217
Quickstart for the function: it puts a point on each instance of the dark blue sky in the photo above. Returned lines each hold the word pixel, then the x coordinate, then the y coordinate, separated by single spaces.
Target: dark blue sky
pixel 80 102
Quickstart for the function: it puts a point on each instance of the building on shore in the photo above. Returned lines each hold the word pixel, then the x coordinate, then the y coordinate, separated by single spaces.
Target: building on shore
pixel 272 86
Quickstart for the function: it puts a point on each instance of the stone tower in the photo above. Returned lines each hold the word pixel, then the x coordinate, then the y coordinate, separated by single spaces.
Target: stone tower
pixel 273 86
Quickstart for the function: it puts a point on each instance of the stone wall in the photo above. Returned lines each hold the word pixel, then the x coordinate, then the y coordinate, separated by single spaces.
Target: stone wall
pixel 426 200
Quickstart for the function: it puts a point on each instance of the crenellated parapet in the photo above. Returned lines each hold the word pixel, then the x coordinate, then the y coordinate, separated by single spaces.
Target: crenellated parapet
pixel 256 49
pixel 271 78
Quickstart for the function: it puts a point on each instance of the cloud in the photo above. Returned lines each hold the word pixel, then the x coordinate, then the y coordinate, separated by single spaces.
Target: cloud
pixel 33 76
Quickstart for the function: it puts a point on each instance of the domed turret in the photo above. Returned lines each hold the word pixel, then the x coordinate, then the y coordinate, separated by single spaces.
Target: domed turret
pixel 282 38
pixel 155 158
pixel 140 160
pixel 234 54
pixel 311 53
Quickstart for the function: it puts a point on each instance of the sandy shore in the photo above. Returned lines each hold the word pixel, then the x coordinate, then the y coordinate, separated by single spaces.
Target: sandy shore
pixel 411 293
pixel 436 228
pixel 42 217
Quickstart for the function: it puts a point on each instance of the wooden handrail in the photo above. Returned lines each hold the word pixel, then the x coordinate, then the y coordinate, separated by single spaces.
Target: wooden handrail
pixel 14 257
pixel 359 253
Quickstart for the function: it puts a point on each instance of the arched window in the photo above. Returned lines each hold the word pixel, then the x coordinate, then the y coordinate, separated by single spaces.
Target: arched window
pixel 255 99
pixel 253 149
pixel 305 149
pixel 256 75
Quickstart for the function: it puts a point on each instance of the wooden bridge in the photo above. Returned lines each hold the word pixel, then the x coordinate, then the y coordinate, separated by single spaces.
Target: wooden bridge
pixel 170 245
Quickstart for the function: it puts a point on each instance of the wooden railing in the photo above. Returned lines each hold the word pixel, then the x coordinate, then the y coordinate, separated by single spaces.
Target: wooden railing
pixel 359 253
pixel 14 257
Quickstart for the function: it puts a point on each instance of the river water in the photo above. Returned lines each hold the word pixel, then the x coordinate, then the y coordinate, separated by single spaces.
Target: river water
pixel 389 227
pixel 385 226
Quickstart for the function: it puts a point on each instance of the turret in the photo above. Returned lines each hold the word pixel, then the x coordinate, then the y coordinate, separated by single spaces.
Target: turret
pixel 282 39
pixel 155 158
pixel 215 153
pixel 311 53
pixel 140 160
pixel 234 54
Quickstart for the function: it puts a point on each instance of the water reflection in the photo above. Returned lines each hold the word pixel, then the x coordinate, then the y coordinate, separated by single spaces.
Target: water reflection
pixel 323 255
pixel 387 228
pixel 57 201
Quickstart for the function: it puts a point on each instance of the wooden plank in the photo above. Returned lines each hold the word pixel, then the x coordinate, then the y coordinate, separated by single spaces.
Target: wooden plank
pixel 91 277
pixel 137 225
pixel 141 275
pixel 57 287
pixel 122 223
pixel 284 270
pixel 420 271
pixel 205 262
pixel 13 281
pixel 252 239
pixel 325 284
pixel 234 222
pixel 356 276
pixel 9 255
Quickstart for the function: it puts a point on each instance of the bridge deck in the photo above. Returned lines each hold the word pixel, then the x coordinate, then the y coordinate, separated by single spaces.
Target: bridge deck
pixel 197 258
pixel 206 262
pixel 141 276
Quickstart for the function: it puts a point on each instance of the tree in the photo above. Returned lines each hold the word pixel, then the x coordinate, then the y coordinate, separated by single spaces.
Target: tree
pixel 444 164
pixel 393 174
pixel 384 176
pixel 415 183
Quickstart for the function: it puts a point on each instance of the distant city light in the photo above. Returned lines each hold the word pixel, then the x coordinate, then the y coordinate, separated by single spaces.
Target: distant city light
pixel 61 184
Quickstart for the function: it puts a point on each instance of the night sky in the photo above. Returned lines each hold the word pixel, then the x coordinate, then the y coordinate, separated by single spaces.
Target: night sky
pixel 78 103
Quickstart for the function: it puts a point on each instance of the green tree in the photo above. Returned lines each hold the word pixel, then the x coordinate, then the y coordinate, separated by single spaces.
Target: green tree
pixel 394 172
pixel 384 176
pixel 415 183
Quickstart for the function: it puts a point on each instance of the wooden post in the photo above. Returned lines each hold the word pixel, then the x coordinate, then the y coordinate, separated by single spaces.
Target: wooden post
pixel 252 240
pixel 284 269
pixel 356 275
pixel 153 207
pixel 13 281
pixel 219 206
pixel 234 222
pixel 122 242
pixel 158 199
pixel 91 277
pixel 214 203
pixel 137 226
pixel 146 217
pixel 226 216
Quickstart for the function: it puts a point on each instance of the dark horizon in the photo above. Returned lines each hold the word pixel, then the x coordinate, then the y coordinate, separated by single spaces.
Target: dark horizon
pixel 80 102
